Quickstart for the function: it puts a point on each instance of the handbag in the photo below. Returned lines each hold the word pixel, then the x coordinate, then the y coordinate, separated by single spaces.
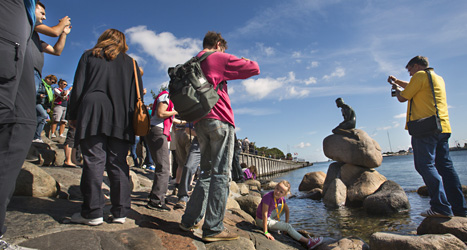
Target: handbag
pixel 425 126
pixel 141 124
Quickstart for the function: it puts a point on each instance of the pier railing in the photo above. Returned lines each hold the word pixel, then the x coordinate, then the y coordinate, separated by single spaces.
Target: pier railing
pixel 269 166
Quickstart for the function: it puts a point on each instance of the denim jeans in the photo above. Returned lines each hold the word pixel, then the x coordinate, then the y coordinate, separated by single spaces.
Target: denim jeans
pixel 209 198
pixel 189 169
pixel 41 120
pixel 433 163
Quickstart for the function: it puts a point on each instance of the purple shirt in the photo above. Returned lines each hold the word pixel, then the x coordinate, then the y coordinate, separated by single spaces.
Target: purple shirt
pixel 268 199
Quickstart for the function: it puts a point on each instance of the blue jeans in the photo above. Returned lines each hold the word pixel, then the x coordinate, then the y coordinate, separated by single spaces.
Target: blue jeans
pixel 41 120
pixel 189 169
pixel 209 197
pixel 433 163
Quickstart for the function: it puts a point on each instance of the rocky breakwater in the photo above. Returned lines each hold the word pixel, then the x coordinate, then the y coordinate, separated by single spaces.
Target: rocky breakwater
pixel 353 181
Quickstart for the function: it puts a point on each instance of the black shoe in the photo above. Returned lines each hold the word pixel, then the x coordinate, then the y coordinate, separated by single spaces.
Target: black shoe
pixel 158 206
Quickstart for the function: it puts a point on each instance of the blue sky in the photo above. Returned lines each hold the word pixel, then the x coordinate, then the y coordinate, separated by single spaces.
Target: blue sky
pixel 309 52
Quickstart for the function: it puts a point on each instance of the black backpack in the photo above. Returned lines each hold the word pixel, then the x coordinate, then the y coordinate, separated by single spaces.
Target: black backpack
pixel 191 93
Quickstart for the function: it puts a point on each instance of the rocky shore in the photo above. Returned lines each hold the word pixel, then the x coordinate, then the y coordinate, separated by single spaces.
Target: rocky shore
pixel 48 194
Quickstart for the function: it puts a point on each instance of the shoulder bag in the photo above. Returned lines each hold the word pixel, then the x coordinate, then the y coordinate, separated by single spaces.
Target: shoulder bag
pixel 141 124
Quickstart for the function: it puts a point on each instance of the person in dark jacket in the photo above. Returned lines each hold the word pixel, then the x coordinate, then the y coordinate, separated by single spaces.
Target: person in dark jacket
pixel 101 109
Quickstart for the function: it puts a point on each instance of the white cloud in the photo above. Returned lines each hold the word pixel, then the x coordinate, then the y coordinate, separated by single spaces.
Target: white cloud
pixel 254 111
pixel 167 49
pixel 313 64
pixel 260 88
pixel 237 129
pixel 338 72
pixel 303 145
pixel 403 115
pixel 311 80
pixel 296 54
pixel 268 51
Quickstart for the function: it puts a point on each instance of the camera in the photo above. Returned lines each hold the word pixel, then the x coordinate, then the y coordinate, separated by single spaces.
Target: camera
pixel 393 92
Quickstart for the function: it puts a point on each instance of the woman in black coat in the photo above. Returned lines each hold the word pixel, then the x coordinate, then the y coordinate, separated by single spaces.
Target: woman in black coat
pixel 101 108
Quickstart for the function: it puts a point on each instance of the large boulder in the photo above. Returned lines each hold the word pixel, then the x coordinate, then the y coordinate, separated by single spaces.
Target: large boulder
pixel 350 173
pixel 253 184
pixel 234 188
pixel 348 243
pixel 333 172
pixel 312 180
pixel 390 198
pixel 249 204
pixel 366 184
pixel 456 226
pixel 336 194
pixel 423 191
pixel 35 182
pixel 269 185
pixel 359 149
pixel 389 241
pixel 232 204
pixel 243 189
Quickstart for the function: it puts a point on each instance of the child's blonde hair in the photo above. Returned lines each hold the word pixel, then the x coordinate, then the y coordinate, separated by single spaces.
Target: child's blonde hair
pixel 286 183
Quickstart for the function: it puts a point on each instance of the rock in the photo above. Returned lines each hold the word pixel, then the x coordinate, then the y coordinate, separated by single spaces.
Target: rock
pixel 254 193
pixel 269 185
pixel 35 182
pixel 232 203
pixel 253 184
pixel 243 188
pixel 244 215
pixel 234 187
pixel 456 226
pixel 390 198
pixel 312 180
pixel 359 150
pixel 134 182
pixel 348 243
pixel 423 191
pixel 366 184
pixel 332 173
pixel 315 194
pixel 46 156
pixel 240 244
pixel 389 241
pixel 336 194
pixel 249 204
pixel 350 173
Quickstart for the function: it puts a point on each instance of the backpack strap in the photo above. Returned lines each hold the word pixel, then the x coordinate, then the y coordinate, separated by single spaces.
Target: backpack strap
pixel 202 58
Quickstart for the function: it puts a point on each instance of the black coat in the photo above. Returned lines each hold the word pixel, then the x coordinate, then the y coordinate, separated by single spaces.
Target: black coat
pixel 104 97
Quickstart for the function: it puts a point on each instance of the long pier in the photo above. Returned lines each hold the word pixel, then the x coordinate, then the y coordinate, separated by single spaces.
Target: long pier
pixel 269 166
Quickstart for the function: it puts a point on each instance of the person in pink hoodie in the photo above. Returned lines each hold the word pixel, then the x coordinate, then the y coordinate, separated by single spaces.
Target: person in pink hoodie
pixel 216 137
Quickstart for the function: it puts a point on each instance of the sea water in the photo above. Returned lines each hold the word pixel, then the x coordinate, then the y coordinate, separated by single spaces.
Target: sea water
pixel 314 217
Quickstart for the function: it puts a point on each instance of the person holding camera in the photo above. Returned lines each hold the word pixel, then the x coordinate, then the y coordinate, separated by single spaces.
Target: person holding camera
pixel 427 94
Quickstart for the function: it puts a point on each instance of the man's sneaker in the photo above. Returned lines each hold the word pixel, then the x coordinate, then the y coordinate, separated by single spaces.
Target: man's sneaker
pixel 117 220
pixel 152 168
pixel 38 140
pixel 180 205
pixel 77 218
pixel 224 235
pixel 431 213
pixel 6 246
pixel 189 229
pixel 158 206
pixel 314 242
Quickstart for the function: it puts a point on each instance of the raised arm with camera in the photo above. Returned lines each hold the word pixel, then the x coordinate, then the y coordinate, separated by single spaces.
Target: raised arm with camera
pixel 397 87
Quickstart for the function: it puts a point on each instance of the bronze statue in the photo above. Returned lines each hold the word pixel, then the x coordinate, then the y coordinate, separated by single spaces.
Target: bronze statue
pixel 349 118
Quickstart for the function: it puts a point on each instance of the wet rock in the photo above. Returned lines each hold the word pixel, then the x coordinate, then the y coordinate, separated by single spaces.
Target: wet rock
pixel 360 149
pixel 456 226
pixel 35 182
pixel 315 194
pixel 347 243
pixel 312 180
pixel 390 198
pixel 332 173
pixel 423 191
pixel 366 184
pixel 249 204
pixel 336 194
pixel 389 241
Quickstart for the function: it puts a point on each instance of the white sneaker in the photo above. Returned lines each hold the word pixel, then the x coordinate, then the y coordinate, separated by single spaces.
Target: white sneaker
pixel 63 135
pixel 77 218
pixel 118 220
pixel 53 136
pixel 6 246
pixel 38 140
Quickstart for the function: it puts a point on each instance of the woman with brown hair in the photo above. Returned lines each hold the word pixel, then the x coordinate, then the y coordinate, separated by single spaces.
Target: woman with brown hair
pixel 101 109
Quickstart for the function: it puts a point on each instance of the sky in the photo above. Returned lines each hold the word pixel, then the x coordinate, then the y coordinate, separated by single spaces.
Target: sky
pixel 310 52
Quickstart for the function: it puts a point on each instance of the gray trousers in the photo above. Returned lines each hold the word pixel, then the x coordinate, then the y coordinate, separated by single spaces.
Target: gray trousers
pixel 102 152
pixel 159 148
pixel 17 98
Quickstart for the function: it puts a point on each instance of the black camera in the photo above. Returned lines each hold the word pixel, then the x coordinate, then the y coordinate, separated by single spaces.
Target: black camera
pixel 393 92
